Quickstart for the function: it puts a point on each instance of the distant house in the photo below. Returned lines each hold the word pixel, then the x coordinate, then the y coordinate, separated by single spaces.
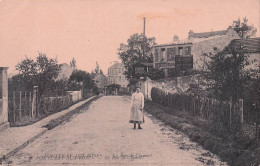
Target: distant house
pixel 65 71
pixel 101 81
pixel 249 46
pixel 3 98
pixel 116 75
pixel 187 54
pixel 141 68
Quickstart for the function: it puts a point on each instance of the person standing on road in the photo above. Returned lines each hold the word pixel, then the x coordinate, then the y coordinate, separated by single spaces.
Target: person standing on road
pixel 137 107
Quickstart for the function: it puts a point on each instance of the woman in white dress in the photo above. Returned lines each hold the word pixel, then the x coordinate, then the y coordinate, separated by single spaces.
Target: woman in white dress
pixel 137 107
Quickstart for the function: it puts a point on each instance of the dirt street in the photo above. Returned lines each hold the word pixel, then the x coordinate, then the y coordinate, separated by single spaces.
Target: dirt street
pixel 102 136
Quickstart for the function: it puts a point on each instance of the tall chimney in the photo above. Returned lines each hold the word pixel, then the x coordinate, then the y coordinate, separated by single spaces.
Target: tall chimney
pixel 144 27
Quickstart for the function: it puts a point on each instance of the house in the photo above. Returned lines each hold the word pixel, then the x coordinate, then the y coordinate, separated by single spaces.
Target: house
pixel 65 71
pixel 141 68
pixel 250 47
pixel 188 54
pixel 116 75
pixel 3 98
pixel 100 81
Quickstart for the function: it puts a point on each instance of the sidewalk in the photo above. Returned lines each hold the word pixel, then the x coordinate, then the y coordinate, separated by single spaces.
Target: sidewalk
pixel 15 138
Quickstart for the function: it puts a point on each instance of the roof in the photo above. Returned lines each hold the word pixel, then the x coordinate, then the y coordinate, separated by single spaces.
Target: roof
pixel 207 34
pixel 251 45
pixel 198 37
pixel 188 41
pixel 116 65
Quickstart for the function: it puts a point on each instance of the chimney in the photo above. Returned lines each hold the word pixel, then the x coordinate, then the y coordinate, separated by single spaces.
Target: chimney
pixel 175 38
pixel 191 33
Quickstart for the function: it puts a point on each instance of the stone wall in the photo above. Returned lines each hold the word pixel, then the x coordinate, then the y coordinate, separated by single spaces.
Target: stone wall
pixel 172 85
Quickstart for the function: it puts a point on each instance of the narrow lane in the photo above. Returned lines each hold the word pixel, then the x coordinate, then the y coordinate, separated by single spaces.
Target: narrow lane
pixel 102 136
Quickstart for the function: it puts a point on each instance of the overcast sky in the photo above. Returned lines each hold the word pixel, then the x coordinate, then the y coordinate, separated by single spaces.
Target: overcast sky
pixel 92 31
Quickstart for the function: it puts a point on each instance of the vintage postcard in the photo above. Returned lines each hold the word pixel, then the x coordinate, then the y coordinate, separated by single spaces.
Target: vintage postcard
pixel 130 82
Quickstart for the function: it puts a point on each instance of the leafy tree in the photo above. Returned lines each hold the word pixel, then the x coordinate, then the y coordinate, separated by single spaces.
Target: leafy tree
pixel 228 74
pixel 244 30
pixel 73 63
pixel 41 73
pixel 82 80
pixel 137 49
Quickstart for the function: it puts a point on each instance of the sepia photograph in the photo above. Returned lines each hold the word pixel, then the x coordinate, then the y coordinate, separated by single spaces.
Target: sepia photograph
pixel 130 82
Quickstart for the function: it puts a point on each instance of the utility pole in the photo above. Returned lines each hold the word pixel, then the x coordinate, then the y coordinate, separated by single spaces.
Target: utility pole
pixel 143 40
pixel 144 27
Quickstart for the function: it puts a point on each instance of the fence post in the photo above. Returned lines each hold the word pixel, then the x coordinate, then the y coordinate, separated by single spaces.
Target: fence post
pixel 230 112
pixel 34 102
pixel 257 131
pixel 20 106
pixel 14 104
pixel 30 102
pixel 25 103
pixel 241 111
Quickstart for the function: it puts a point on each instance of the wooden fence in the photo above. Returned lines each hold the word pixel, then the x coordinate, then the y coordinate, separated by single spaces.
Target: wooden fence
pixel 27 104
pixel 225 116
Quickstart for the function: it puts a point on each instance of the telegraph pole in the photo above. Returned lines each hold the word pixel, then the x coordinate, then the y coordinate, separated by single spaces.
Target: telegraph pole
pixel 144 27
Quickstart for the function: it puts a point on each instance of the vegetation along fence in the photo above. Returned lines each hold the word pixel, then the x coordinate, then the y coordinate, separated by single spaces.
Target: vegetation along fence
pixel 225 116
pixel 24 105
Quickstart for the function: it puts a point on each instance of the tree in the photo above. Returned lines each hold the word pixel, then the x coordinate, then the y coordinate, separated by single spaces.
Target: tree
pixel 73 64
pixel 41 73
pixel 228 74
pixel 244 30
pixel 82 80
pixel 137 49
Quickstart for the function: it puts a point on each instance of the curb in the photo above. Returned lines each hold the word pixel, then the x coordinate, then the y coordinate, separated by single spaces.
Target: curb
pixel 3 157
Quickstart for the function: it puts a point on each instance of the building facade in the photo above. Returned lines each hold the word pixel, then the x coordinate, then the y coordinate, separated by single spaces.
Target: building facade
pixel 116 75
pixel 188 53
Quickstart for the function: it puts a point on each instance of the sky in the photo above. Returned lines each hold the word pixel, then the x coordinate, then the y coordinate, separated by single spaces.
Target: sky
pixel 92 30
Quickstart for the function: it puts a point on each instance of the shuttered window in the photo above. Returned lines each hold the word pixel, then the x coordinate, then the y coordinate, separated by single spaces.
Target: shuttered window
pixel 188 50
pixel 171 52
pixel 156 55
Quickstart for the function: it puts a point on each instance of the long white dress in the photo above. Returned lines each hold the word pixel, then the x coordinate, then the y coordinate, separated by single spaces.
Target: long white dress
pixel 136 113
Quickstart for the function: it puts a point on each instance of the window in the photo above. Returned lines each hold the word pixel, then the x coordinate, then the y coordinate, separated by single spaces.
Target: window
pixel 187 50
pixel 171 52
pixel 163 54
pixel 180 50
pixel 156 55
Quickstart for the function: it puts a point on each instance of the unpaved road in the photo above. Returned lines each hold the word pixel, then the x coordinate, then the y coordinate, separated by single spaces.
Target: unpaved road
pixel 101 135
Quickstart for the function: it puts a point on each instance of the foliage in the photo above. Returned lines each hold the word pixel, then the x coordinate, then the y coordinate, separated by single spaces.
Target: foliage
pixel 227 75
pixel 41 72
pixel 73 64
pixel 82 80
pixel 244 30
pixel 137 49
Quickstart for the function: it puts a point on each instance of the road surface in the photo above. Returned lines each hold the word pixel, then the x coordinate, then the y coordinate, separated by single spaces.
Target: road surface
pixel 101 135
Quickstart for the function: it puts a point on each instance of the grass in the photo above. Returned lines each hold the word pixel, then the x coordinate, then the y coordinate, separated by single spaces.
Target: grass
pixel 68 116
pixel 235 149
